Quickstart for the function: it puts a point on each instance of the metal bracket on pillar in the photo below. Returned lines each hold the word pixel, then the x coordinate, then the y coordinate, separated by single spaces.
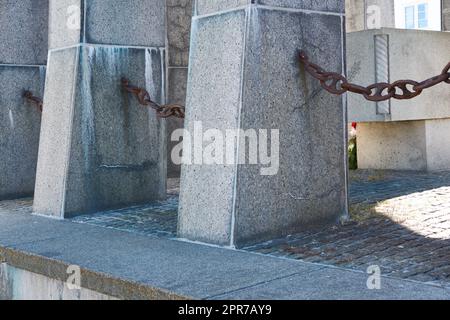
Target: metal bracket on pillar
pixel 162 111
pixel 28 95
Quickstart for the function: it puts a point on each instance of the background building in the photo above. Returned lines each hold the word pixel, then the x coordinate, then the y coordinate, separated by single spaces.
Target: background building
pixel 418 14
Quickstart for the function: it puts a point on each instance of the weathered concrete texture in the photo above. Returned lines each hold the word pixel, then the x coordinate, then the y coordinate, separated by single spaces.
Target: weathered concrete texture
pixel 207 6
pixel 406 61
pixel 336 285
pixel 438 144
pixel 112 22
pixel 99 148
pixel 179 16
pixel 355 15
pixel 446 15
pixel 176 95
pixel 392 145
pixel 236 205
pixel 335 6
pixel 24 35
pixel 66 23
pixel 369 14
pixel 405 145
pixel 382 10
pixel 20 125
pixel 216 51
pixel 24 285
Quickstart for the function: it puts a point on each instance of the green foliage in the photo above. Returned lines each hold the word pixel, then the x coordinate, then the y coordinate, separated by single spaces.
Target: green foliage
pixel 352 158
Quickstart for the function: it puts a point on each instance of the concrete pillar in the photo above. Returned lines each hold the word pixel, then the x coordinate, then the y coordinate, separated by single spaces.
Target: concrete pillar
pixel 179 16
pixel 244 73
pixel 445 15
pixel 369 14
pixel 404 145
pixel 99 148
pixel 23 56
pixel 404 134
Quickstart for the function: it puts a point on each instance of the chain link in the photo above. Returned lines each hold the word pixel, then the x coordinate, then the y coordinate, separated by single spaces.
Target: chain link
pixel 162 111
pixel 28 95
pixel 403 89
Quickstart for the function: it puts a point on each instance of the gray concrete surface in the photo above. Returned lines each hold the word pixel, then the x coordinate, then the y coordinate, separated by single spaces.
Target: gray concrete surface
pixel 19 284
pixel 407 60
pixel 369 14
pixel 392 145
pixel 446 15
pixel 112 22
pixel 99 148
pixel 23 56
pixel 179 16
pixel 258 46
pixel 24 26
pixel 130 266
pixel 404 145
pixel 20 125
pixel 109 151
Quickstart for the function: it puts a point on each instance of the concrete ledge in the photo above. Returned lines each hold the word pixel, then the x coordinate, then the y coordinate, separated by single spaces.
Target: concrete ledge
pixel 99 282
pixel 131 266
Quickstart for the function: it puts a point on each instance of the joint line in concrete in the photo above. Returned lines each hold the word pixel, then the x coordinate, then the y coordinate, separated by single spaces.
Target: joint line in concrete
pixel 23 65
pixel 97 45
pixel 266 7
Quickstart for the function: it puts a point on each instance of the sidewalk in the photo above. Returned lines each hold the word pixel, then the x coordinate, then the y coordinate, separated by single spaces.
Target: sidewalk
pixel 132 266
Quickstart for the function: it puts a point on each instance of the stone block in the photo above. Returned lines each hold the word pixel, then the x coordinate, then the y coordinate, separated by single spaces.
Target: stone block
pixel 244 74
pixel 66 23
pixel 208 7
pixel 179 16
pixel 446 15
pixel 99 148
pixel 406 60
pixel 334 6
pixel 20 125
pixel 176 95
pixel 24 35
pixel 112 22
pixel 404 145
pixel 392 145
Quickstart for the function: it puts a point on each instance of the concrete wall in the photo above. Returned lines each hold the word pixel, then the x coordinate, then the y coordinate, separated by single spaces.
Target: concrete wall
pixel 397 146
pixel 405 145
pixel 369 14
pixel 19 284
pixel 408 57
pixel 446 15
pixel 179 16
pixel 438 144
pixel 23 56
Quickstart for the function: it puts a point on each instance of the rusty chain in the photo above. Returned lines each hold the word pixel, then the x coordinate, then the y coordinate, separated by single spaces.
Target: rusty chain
pixel 28 95
pixel 162 111
pixel 403 89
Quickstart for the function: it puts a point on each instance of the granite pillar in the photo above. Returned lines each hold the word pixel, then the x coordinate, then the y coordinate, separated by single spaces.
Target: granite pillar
pixel 244 73
pixel 23 38
pixel 445 15
pixel 179 16
pixel 99 148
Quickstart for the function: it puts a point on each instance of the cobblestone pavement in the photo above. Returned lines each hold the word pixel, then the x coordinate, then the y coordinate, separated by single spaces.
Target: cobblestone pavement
pixel 400 222
pixel 156 219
